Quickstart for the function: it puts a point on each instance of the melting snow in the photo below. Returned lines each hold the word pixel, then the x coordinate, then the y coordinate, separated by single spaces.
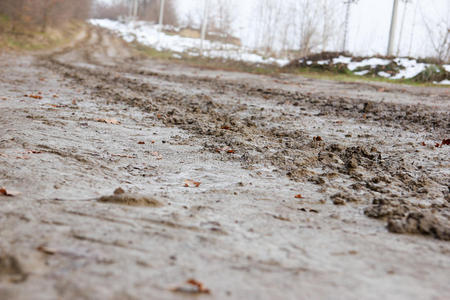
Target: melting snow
pixel 372 62
pixel 150 35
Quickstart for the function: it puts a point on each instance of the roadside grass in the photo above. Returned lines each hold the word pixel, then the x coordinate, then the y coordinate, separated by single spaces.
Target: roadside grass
pixel 349 77
pixel 229 65
pixel 19 38
pixel 205 62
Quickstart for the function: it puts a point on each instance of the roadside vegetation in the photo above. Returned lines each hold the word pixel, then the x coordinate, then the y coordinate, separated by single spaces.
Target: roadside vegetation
pixel 314 71
pixel 29 25
pixel 23 38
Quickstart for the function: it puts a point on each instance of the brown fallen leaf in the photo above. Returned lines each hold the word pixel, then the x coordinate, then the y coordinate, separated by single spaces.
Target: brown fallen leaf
pixel 317 139
pixel 4 98
pixel 193 287
pixel 33 152
pixel 199 285
pixel 10 193
pixel 298 196
pixel 46 250
pixel 119 191
pixel 192 183
pixel 141 143
pixel 231 151
pixel 34 96
pixel 445 142
pixel 108 121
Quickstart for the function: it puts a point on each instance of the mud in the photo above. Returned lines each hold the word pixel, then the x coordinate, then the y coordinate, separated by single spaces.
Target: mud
pixel 363 158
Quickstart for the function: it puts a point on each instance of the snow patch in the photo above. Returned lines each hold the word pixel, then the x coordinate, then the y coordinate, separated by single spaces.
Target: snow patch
pixel 372 62
pixel 151 35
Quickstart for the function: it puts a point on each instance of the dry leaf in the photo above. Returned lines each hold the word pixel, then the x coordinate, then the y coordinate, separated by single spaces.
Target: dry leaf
pixel 192 183
pixel 193 287
pixel 298 196
pixel 119 191
pixel 199 285
pixel 108 121
pixel 33 152
pixel 34 96
pixel 46 250
pixel 141 143
pixel 317 139
pixel 10 193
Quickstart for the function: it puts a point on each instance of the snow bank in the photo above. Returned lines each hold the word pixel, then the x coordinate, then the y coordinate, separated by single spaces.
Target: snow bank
pixel 406 68
pixel 150 35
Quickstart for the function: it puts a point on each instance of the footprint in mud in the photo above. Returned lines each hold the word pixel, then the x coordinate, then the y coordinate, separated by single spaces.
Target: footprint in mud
pixel 121 197
pixel 10 269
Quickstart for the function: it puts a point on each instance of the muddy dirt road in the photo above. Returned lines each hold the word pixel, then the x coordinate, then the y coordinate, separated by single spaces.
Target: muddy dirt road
pixel 257 187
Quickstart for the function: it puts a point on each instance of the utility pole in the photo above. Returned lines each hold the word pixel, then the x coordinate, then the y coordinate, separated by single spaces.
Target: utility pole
pixel 161 13
pixel 390 48
pixel 204 25
pixel 401 26
pixel 347 20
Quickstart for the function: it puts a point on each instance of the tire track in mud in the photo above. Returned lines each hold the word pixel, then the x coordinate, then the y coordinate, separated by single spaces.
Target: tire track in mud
pixel 265 129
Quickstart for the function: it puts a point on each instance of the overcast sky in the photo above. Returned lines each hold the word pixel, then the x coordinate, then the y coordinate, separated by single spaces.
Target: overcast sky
pixel 369 23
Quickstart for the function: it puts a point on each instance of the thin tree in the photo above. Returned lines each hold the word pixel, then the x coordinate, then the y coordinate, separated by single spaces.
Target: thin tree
pixel 348 3
pixel 405 8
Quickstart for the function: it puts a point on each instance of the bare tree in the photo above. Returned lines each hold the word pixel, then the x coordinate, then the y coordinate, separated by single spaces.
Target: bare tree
pixel 222 16
pixel 400 34
pixel 439 36
pixel 149 10
pixel 43 13
pixel 268 24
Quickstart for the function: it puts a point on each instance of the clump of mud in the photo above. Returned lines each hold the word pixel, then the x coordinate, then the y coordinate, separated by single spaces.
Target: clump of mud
pixel 404 218
pixel 121 197
pixel 423 223
pixel 11 270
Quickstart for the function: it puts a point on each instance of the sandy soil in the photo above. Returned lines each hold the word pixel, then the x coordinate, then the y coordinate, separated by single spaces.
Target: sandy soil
pixel 211 166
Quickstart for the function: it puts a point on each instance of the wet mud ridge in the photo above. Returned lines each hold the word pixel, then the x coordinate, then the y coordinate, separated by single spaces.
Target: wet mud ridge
pixel 228 181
